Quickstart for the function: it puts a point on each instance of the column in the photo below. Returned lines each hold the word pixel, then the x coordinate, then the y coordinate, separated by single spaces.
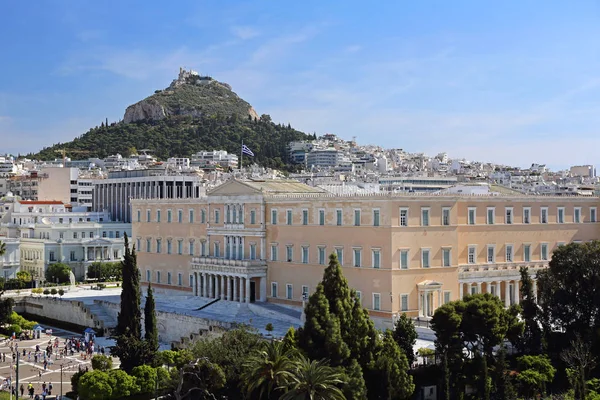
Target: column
pixel 506 294
pixel 479 288
pixel 439 298
pixel 247 290
pixel 419 304
pixel 197 283
pixel 210 286
pixel 535 290
pixel 204 282
pixel 263 289
pixel 229 289
pixel 461 289
pixel 223 277
pixel 235 283
pixel 499 289
pixel 241 290
pixel 517 292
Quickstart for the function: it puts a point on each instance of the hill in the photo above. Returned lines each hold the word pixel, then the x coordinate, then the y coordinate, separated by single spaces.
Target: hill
pixel 193 114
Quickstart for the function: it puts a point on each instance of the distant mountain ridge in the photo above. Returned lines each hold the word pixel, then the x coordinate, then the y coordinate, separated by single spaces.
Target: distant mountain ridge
pixel 194 113
pixel 190 94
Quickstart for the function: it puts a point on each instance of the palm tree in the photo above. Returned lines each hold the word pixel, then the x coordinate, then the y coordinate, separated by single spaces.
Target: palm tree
pixel 314 380
pixel 2 249
pixel 268 370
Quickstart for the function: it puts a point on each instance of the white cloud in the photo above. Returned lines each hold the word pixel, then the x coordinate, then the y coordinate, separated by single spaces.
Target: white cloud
pixel 244 32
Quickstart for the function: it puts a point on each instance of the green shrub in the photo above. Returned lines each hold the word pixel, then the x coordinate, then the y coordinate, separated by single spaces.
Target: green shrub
pixel 46 292
pixel 53 291
pixel 102 363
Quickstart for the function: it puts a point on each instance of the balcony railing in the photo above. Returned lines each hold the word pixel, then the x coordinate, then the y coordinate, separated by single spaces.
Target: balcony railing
pixel 227 266
pixel 227 262
pixel 502 266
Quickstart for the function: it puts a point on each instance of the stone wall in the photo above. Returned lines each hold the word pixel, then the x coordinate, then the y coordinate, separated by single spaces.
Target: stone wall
pixel 174 328
pixel 71 311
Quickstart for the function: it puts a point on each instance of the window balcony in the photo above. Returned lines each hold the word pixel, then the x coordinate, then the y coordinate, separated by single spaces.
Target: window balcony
pixel 499 269
pixel 227 266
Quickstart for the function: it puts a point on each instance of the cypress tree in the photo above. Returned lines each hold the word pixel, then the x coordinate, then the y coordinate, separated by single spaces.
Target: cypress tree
pixel 130 316
pixel 391 372
pixel 151 329
pixel 405 335
pixel 532 334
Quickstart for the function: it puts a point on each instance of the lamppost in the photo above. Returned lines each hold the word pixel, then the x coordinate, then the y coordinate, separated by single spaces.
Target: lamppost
pixel 61 377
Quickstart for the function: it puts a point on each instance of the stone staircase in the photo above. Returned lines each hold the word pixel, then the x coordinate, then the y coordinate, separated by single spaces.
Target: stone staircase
pixel 107 321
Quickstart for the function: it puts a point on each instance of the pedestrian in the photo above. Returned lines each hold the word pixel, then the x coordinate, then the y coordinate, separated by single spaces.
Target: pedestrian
pixel 49 388
pixel 22 389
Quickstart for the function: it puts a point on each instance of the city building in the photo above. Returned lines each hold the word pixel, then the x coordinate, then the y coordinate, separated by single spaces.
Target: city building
pixel 10 261
pixel 403 253
pixel 212 159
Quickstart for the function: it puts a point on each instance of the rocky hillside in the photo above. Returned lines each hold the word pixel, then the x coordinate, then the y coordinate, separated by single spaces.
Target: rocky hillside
pixel 190 94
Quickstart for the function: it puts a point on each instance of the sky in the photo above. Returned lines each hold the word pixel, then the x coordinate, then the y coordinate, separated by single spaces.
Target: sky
pixel 510 82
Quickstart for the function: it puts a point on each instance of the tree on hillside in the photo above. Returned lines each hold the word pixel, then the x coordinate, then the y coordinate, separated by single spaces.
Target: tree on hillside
pixel 151 329
pixel 531 342
pixel 129 318
pixel 405 334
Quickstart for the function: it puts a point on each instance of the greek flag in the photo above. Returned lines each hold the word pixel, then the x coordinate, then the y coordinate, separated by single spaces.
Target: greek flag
pixel 246 150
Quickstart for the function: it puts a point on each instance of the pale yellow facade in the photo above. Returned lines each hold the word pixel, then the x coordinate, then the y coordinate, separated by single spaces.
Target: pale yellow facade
pixel 270 241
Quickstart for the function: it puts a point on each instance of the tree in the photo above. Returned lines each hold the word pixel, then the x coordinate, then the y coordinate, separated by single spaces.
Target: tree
pixel 314 380
pixel 58 272
pixel 145 378
pixel 391 370
pixel 53 291
pixel 125 384
pixel 532 335
pixel 502 380
pixel 101 363
pixel 132 352
pixel 580 359
pixel 269 328
pixel 61 292
pixel 290 340
pixel 96 385
pixel 535 372
pixel 268 370
pixel 199 380
pixel 129 318
pixel 405 335
pixel 24 276
pixel 151 329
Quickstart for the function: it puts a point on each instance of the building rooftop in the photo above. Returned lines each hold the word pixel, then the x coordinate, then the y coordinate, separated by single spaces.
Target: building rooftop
pixel 275 186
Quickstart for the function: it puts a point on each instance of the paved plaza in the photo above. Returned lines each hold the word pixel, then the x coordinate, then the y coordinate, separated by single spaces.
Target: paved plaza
pixel 34 373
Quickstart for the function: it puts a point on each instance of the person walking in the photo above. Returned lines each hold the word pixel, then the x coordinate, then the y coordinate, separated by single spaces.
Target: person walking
pixel 22 389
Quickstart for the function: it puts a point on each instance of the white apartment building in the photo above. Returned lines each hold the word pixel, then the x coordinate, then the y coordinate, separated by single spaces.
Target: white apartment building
pixel 210 159
pixel 9 262
pixel 324 158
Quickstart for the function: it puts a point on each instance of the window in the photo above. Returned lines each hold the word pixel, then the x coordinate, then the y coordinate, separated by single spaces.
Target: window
pixel 577 215
pixel 403 302
pixel 289 253
pixel 376 301
pixel 117 234
pixel 180 216
pixel 148 275
pixel 446 259
pixel 61 235
pixel 544 251
pixel 273 252
pixel 321 217
pixel 139 216
pixel 169 246
pixel 148 246
pixel 356 217
pixel 217 249
pixel 508 215
pixel 138 244
pixel 148 218
pixel 491 253
pixel 289 291
pixel 425 258
pixel 560 215
pixel 180 247
pixel 359 296
pixel 304 217
pixel 472 255
pixel 191 248
pixel 103 234
pixel 202 216
pixel 471 215
pixel 376 258
pixel 544 215
pixel 375 217
pixel 446 297
pixel 339 252
pixel 191 281
pixel 191 216
pixel 157 276
pixel 217 216
pixel 424 216
pixel 288 219
pixel 592 214
pixel 274 289
pixel 403 259
pixel 252 217
pixel 273 217
pixel 526 215
pixel 322 255
pixel 157 215
pixel 446 216
pixel 74 235
pixel 179 279
pixel 168 278
pixel 404 217
pixel 527 252
pixel 357 257
pixel 304 254
pixel 304 292
pixel 509 253
pixel 338 217
pixel 491 211
pixel 83 235
pixel 72 256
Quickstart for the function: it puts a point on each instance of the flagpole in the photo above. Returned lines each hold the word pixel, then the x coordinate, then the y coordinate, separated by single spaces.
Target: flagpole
pixel 241 155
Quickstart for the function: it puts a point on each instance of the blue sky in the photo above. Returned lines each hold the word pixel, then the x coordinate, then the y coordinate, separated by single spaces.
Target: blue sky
pixel 511 82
